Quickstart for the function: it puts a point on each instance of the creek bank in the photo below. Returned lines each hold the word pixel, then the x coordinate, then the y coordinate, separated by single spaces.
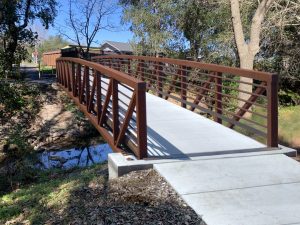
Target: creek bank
pixel 37 117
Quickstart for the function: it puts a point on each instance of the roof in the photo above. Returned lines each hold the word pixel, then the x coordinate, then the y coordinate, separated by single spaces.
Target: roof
pixel 120 46
pixel 83 46
pixel 52 52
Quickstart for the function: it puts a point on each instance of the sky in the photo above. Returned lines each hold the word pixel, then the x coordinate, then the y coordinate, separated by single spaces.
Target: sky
pixel 121 33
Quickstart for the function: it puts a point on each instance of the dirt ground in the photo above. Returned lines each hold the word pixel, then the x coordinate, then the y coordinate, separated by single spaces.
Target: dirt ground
pixel 49 121
pixel 59 124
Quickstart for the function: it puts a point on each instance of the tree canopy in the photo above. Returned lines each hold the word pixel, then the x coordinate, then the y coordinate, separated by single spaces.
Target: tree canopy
pixel 204 29
pixel 15 32
pixel 52 43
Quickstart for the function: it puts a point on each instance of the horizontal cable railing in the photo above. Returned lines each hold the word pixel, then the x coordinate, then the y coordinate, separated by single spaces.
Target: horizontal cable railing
pixel 208 89
pixel 114 102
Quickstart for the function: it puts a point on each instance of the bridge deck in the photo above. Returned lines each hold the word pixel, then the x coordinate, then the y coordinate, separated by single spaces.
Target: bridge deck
pixel 173 131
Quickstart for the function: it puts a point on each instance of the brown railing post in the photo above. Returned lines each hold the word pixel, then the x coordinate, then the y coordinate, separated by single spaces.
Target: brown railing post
pixel 87 84
pixel 141 120
pixel 73 78
pixel 92 95
pixel 115 110
pixel 118 65
pixel 98 93
pixel 65 65
pixel 69 72
pixel 183 85
pixel 57 71
pixel 218 97
pixel 138 70
pixel 272 94
pixel 129 66
pixel 122 66
pixel 78 79
pixel 142 76
pixel 159 74
pixel 60 73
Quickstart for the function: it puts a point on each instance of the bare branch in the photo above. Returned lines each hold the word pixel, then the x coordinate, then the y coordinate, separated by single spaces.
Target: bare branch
pixel 26 16
pixel 256 25
pixel 237 26
pixel 86 18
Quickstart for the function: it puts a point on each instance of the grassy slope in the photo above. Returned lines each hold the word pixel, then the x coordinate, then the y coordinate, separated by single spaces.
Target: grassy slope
pixel 46 198
pixel 289 126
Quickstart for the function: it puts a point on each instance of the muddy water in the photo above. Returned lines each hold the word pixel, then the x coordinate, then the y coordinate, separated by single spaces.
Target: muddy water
pixel 75 157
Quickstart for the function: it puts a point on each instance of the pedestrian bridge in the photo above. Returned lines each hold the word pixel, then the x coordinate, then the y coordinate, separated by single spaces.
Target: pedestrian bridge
pixel 165 108
pixel 216 148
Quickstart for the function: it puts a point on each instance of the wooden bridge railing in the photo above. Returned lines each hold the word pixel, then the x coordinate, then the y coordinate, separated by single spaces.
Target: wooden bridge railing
pixel 209 89
pixel 114 102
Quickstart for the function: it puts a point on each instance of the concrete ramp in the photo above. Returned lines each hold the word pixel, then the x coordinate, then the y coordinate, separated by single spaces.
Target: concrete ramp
pixel 254 190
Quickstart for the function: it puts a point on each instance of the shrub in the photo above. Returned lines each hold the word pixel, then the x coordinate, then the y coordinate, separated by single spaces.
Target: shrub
pixel 288 98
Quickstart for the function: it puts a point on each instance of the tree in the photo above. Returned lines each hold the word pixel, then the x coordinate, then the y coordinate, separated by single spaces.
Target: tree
pixel 247 49
pixel 271 19
pixel 152 24
pixel 201 27
pixel 171 26
pixel 52 43
pixel 15 35
pixel 86 18
pixel 280 44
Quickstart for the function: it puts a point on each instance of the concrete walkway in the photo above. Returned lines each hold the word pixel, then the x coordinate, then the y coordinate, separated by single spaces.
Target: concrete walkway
pixel 253 190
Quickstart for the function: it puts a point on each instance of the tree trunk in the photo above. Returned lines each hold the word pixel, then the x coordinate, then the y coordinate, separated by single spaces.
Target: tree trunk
pixel 246 62
pixel 193 49
pixel 247 51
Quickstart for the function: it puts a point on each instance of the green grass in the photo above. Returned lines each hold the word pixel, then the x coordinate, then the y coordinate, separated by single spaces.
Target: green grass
pixel 288 122
pixel 289 126
pixel 47 70
pixel 48 196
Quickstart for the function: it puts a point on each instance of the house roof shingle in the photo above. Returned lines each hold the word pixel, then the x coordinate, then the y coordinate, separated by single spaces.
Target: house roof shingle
pixel 120 46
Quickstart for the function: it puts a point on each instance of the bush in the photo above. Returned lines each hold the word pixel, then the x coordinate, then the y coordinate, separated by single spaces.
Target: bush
pixel 14 97
pixel 288 98
pixel 10 99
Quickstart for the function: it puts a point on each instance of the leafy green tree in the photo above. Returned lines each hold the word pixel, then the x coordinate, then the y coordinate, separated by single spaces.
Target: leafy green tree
pixel 171 26
pixel 52 43
pixel 280 44
pixel 15 34
pixel 250 34
pixel 206 33
pixel 152 24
